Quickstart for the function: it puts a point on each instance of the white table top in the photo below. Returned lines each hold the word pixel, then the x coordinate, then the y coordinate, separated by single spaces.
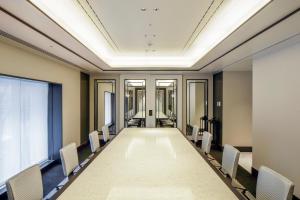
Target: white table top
pixel 144 163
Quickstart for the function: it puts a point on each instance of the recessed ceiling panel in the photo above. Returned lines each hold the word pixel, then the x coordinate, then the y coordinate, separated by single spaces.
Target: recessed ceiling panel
pixel 155 27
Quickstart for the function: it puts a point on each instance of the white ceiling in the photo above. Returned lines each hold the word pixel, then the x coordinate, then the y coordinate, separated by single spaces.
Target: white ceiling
pixel 168 29
pixel 175 26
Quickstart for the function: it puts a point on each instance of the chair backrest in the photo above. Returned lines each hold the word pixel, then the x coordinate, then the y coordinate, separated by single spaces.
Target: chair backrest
pixel 27 185
pixel 273 186
pixel 94 141
pixel 230 160
pixel 69 158
pixel 105 132
pixel 195 133
pixel 206 142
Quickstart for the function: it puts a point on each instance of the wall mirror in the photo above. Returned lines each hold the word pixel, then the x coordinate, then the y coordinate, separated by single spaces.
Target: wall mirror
pixel 166 103
pixel 134 103
pixel 105 104
pixel 197 106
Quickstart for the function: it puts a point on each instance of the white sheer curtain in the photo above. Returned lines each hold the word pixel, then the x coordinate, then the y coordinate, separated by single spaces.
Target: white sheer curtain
pixel 108 108
pixel 23 125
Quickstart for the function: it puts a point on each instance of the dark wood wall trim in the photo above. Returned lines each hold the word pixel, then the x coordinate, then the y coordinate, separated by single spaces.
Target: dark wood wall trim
pixel 84 107
pixel 244 148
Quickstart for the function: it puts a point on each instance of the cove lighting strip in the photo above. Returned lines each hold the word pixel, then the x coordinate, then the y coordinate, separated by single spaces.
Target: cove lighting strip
pixel 230 15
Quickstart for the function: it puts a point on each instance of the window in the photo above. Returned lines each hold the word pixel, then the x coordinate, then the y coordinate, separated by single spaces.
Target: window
pixel 23 125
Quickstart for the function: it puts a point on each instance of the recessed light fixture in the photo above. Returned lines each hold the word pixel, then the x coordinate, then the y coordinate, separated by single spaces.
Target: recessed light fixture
pixel 220 26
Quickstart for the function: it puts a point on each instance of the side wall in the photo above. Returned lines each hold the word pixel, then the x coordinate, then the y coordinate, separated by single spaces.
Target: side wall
pixel 237 108
pixel 276 111
pixel 19 62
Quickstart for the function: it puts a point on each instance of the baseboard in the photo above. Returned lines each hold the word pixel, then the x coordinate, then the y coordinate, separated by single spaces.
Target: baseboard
pixel 254 172
pixel 51 163
pixel 244 148
pixel 295 198
pixel 80 147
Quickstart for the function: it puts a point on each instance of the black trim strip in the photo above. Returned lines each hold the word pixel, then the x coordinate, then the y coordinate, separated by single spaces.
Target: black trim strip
pixel 86 12
pixel 116 46
pixel 252 37
pixel 190 43
pixel 48 37
pixel 198 24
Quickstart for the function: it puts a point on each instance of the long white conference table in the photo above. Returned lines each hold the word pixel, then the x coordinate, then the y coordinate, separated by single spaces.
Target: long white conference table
pixel 148 163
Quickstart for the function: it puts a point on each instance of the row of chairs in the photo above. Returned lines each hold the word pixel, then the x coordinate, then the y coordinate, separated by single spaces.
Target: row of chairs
pixel 27 185
pixel 270 184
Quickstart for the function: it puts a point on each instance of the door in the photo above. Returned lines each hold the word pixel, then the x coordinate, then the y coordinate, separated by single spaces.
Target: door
pixel 218 108
pixel 84 107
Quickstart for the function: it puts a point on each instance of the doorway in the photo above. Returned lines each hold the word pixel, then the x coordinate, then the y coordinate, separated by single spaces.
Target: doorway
pixel 196 104
pixel 166 103
pixel 105 104
pixel 134 103
pixel 84 107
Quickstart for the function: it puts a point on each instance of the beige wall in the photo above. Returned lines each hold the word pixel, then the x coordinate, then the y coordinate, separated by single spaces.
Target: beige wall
pixel 24 63
pixel 276 111
pixel 237 108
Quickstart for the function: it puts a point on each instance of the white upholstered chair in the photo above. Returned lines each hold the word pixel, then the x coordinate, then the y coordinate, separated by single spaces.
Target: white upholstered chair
pixel 230 161
pixel 69 158
pixel 273 186
pixel 206 142
pixel 94 141
pixel 195 133
pixel 27 185
pixel 105 132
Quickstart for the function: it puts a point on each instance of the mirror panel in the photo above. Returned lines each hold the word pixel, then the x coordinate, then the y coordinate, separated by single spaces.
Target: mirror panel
pixel 134 103
pixel 197 106
pixel 105 104
pixel 166 103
